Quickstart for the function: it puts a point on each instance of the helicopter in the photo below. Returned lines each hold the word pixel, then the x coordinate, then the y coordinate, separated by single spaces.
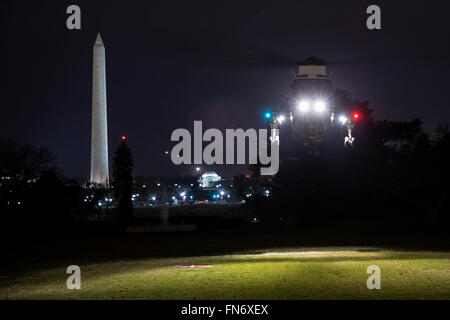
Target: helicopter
pixel 311 109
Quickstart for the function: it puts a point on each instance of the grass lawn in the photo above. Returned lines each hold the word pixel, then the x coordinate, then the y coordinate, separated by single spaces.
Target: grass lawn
pixel 294 273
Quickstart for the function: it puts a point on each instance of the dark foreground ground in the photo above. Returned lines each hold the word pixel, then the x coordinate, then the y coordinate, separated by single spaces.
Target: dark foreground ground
pixel 251 261
pixel 19 254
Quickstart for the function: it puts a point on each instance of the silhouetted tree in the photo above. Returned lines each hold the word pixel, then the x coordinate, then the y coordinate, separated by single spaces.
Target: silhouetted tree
pixel 49 204
pixel 23 161
pixel 20 165
pixel 77 199
pixel 123 182
pixel 440 170
pixel 241 185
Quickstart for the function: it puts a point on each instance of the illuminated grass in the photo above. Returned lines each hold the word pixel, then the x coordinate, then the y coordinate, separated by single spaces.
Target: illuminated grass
pixel 297 274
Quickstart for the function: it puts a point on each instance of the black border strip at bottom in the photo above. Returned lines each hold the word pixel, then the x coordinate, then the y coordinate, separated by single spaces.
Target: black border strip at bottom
pixel 233 309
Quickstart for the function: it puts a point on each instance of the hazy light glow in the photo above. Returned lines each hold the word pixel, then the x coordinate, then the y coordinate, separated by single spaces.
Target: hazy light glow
pixel 280 119
pixel 320 106
pixel 343 119
pixel 303 106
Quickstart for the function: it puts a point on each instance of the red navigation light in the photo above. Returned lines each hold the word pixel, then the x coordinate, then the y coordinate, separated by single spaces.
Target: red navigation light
pixel 124 138
pixel 247 176
pixel 356 116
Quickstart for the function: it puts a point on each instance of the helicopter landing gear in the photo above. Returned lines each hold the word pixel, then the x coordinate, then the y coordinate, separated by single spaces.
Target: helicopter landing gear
pixel 349 139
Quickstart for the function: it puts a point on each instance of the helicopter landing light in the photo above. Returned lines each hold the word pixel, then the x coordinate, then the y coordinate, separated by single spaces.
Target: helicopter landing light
pixel 280 119
pixel 343 119
pixel 319 106
pixel 303 106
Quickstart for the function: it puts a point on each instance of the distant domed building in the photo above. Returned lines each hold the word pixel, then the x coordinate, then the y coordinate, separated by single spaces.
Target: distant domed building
pixel 209 179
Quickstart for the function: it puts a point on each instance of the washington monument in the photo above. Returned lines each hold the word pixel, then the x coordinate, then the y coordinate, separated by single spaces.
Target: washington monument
pixel 99 139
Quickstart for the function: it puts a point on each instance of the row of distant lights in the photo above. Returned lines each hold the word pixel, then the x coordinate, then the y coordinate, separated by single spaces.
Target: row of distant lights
pixel 107 200
pixel 183 196
pixel 216 196
pixel 18 203
pixel 266 193
pixel 221 195
pixel 134 196
pixel 145 186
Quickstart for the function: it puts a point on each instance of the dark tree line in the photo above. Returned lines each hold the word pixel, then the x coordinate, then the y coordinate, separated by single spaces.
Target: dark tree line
pixel 36 200
pixel 393 170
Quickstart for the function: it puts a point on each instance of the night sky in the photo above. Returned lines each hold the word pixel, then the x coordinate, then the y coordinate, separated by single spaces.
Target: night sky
pixel 172 62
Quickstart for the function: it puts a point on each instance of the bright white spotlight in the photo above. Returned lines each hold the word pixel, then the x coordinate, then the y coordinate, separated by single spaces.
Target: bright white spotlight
pixel 319 106
pixel 303 106
pixel 343 119
pixel 280 119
